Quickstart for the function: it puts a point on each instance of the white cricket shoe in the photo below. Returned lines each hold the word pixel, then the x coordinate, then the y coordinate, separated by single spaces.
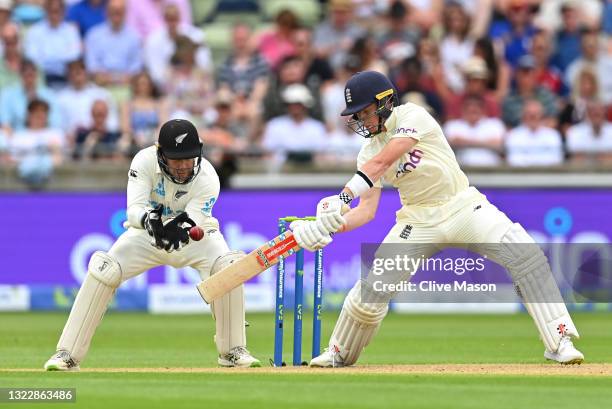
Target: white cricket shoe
pixel 330 358
pixel 238 357
pixel 61 361
pixel 567 354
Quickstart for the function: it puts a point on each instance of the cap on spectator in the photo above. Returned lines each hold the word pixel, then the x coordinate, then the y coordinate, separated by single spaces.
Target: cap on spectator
pixel 526 62
pixel 298 94
pixel 6 4
pixel 476 67
pixel 341 4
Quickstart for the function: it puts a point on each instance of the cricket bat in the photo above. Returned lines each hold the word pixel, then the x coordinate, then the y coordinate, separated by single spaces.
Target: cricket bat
pixel 255 262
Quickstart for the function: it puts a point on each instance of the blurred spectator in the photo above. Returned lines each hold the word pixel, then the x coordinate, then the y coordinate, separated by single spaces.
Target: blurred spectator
pixel 278 43
pixel 600 61
pixel 14 99
pixel 76 100
pixel 586 88
pixel 5 17
pixel 4 149
pixel 475 77
pixel 37 149
pixel 335 36
pixel 112 49
pixel 567 44
pixel 591 139
pixel 515 34
pixel 456 45
pixel 319 73
pixel 408 79
pixel 533 143
pixel 476 139
pixel 400 38
pixel 9 65
pixel 97 141
pixel 606 18
pixel 550 13
pixel 429 55
pixel 190 89
pixel 294 136
pixel 480 12
pixel 426 13
pixel 499 72
pixel 546 75
pixel 291 71
pixel 147 16
pixel 28 12
pixel 363 55
pixel 528 88
pixel 160 46
pixel 142 113
pixel 87 14
pixel 52 43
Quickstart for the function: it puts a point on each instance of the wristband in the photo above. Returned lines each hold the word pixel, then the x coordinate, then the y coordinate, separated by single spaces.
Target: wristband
pixel 359 184
pixel 345 197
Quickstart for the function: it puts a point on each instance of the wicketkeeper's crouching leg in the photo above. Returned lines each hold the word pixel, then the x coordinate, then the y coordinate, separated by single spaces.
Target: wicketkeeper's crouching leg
pixel 103 278
pixel 228 312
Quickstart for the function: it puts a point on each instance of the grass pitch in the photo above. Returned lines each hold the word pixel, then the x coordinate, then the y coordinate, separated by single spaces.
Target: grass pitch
pixel 450 361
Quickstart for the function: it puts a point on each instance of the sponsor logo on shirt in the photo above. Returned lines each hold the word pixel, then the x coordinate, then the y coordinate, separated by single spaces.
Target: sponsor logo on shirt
pixel 408 131
pixel 208 205
pixel 133 173
pixel 414 158
pixel 179 194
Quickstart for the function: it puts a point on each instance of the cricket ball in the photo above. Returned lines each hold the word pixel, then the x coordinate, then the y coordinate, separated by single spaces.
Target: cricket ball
pixel 196 233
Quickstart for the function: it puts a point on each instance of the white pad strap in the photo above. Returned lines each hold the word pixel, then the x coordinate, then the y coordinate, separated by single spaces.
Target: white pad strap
pixel 104 276
pixel 358 322
pixel 228 311
pixel 536 285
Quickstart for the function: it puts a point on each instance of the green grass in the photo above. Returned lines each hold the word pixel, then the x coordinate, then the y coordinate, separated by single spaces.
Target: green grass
pixel 140 340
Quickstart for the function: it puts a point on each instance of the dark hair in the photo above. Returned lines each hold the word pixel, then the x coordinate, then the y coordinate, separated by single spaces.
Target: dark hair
pixel 155 93
pixel 398 10
pixel 288 18
pixel 78 62
pixel 25 64
pixel 488 55
pixel 446 17
pixel 37 104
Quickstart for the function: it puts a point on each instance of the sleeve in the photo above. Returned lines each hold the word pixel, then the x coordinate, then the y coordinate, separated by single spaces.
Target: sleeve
pixel 31 45
pixel 365 156
pixel 139 188
pixel 91 58
pixel 135 63
pixel 413 123
pixel 73 45
pixel 199 208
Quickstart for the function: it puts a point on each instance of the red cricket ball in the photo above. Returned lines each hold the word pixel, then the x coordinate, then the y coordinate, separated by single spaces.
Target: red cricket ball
pixel 196 233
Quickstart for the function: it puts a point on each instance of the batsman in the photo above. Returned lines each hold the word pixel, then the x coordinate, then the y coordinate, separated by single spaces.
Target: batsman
pixel 406 147
pixel 171 188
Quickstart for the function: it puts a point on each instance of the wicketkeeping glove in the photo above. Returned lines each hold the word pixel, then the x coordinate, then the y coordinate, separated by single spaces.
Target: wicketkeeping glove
pixel 152 222
pixel 176 234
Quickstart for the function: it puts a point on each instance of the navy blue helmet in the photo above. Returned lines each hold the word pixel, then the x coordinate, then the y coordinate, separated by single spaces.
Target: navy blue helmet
pixel 363 89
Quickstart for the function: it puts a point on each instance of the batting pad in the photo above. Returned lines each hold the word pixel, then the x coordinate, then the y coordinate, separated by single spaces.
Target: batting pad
pixel 228 311
pixel 102 279
pixel 536 285
pixel 358 322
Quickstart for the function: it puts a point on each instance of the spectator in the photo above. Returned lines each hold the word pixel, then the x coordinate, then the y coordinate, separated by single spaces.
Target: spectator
pixel 191 89
pixel 37 149
pixel 364 56
pixel 143 113
pixel 475 77
pixel 113 51
pixel 335 36
pixel 429 56
pixel 291 71
pixel 598 60
pixel 586 88
pixel 546 75
pixel 75 102
pixel 591 139
pixel 294 136
pixel 456 46
pixel 533 143
pixel 400 39
pixel 14 99
pixel 97 141
pixel 9 65
pixel 606 18
pixel 425 14
pixel 147 16
pixel 476 139
pixel 319 73
pixel 5 17
pixel 87 14
pixel 278 43
pixel 52 43
pixel 567 44
pixel 160 46
pixel 528 88
pixel 498 70
pixel 515 34
pixel 5 158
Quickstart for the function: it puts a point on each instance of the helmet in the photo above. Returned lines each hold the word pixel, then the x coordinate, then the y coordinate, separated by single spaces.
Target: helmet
pixel 363 89
pixel 179 139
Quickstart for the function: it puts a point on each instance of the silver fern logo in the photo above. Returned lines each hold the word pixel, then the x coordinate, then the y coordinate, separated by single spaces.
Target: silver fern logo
pixel 180 138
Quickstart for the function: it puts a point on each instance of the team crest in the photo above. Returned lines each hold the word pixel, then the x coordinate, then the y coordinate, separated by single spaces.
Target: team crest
pixel 347 95
pixel 180 138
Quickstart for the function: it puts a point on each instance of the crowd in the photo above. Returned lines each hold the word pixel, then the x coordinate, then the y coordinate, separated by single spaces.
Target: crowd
pixel 512 82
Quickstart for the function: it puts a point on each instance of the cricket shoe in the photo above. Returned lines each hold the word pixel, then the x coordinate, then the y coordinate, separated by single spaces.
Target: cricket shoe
pixel 566 354
pixel 61 361
pixel 330 358
pixel 238 357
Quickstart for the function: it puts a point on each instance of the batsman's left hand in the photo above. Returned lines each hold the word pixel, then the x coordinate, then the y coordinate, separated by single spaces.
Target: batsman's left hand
pixel 310 235
pixel 329 213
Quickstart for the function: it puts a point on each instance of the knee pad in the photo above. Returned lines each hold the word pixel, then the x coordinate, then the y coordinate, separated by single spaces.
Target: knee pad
pixel 105 269
pixel 225 260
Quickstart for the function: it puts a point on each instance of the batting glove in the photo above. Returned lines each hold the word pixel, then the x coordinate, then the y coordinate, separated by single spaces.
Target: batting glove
pixel 329 213
pixel 310 235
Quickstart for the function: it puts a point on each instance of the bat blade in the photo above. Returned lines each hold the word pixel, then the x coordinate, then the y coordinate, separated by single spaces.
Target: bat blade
pixel 254 263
